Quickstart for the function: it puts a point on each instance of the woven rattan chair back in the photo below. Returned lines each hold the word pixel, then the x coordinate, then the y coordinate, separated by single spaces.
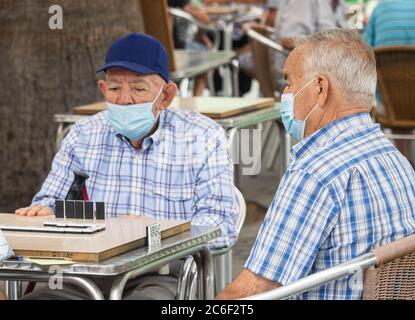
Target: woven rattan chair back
pixel 396 82
pixel 394 275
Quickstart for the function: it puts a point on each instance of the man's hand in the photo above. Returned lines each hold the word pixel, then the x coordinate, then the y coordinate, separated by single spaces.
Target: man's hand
pixel 246 284
pixel 34 211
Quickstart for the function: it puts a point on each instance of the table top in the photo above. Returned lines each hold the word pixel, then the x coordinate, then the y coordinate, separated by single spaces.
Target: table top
pixel 191 63
pixel 251 118
pixel 213 107
pixel 120 235
pixel 195 238
pixel 234 13
pixel 221 107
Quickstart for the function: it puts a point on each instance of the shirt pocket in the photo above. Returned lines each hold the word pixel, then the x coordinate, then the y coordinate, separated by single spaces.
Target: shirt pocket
pixel 174 191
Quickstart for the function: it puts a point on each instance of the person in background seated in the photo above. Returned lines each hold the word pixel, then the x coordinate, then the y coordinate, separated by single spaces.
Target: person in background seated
pixel 269 17
pixel 295 18
pixel 270 14
pixel 392 23
pixel 240 44
pixel 184 39
pixel 144 159
pixel 347 189
pixel 302 17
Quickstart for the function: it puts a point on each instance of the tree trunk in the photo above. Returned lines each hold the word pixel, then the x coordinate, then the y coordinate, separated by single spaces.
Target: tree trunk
pixel 44 72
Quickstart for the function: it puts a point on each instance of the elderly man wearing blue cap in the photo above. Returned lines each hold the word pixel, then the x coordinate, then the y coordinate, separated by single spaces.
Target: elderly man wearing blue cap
pixel 141 157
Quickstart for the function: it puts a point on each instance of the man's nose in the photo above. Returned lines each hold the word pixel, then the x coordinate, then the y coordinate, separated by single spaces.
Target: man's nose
pixel 125 97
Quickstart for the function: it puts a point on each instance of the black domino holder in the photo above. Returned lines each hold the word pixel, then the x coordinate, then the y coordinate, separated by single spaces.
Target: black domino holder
pixel 69 209
pixel 89 210
pixel 79 209
pixel 59 209
pixel 100 210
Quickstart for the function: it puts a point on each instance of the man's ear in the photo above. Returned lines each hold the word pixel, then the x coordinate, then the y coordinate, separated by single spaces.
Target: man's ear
pixel 103 87
pixel 323 88
pixel 170 91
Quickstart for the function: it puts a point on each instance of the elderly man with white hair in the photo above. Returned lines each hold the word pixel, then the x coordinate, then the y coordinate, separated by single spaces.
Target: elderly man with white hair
pixel 144 159
pixel 347 189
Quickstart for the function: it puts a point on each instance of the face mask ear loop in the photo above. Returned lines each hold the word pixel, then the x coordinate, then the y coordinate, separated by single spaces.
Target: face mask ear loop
pixel 304 87
pixel 155 99
pixel 158 94
pixel 310 112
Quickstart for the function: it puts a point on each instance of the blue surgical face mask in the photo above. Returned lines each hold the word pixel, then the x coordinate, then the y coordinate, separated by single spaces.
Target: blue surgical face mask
pixel 294 127
pixel 132 121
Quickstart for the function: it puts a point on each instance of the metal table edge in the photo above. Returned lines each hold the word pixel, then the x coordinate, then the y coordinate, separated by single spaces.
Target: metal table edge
pixel 114 270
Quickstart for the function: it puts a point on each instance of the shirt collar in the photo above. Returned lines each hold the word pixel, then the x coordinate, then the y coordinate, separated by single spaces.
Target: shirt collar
pixel 329 133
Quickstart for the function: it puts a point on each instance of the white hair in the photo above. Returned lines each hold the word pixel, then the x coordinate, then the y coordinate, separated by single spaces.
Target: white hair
pixel 346 59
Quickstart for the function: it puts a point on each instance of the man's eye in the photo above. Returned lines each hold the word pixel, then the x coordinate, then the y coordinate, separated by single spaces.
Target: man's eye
pixel 113 89
pixel 139 89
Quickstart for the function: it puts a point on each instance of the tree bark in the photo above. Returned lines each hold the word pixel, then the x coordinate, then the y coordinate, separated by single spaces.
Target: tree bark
pixel 44 72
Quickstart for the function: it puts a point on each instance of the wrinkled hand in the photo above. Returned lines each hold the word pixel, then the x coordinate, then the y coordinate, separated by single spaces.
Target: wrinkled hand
pixel 38 210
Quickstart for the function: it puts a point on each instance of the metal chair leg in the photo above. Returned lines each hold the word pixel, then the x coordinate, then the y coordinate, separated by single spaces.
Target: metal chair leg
pixel 235 77
pixel 184 277
pixel 13 289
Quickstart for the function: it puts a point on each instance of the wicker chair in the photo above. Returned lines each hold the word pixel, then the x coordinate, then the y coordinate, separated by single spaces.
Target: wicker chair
pixel 396 82
pixel 263 49
pixel 389 273
pixel 394 275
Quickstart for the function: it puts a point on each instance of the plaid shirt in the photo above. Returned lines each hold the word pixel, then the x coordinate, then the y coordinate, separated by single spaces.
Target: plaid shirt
pixel 5 250
pixel 182 172
pixel 346 191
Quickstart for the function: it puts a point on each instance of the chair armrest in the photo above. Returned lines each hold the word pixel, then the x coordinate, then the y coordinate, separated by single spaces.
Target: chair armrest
pixel 218 252
pixel 268 42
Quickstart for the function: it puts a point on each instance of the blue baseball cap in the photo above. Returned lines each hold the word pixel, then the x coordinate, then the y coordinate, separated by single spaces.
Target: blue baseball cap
pixel 140 53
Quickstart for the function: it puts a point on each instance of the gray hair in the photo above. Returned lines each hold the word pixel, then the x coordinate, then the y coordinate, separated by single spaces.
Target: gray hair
pixel 346 59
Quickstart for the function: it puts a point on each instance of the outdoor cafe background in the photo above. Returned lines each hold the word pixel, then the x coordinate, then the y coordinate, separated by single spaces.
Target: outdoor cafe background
pixel 44 72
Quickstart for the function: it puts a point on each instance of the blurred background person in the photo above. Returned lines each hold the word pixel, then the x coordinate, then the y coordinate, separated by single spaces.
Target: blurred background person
pixel 293 18
pixel 304 17
pixel 185 38
pixel 270 14
pixel 392 23
pixel 239 41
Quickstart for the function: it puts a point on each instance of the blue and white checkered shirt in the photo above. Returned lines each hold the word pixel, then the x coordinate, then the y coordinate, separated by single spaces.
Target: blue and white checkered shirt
pixel 346 191
pixel 5 250
pixel 182 172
